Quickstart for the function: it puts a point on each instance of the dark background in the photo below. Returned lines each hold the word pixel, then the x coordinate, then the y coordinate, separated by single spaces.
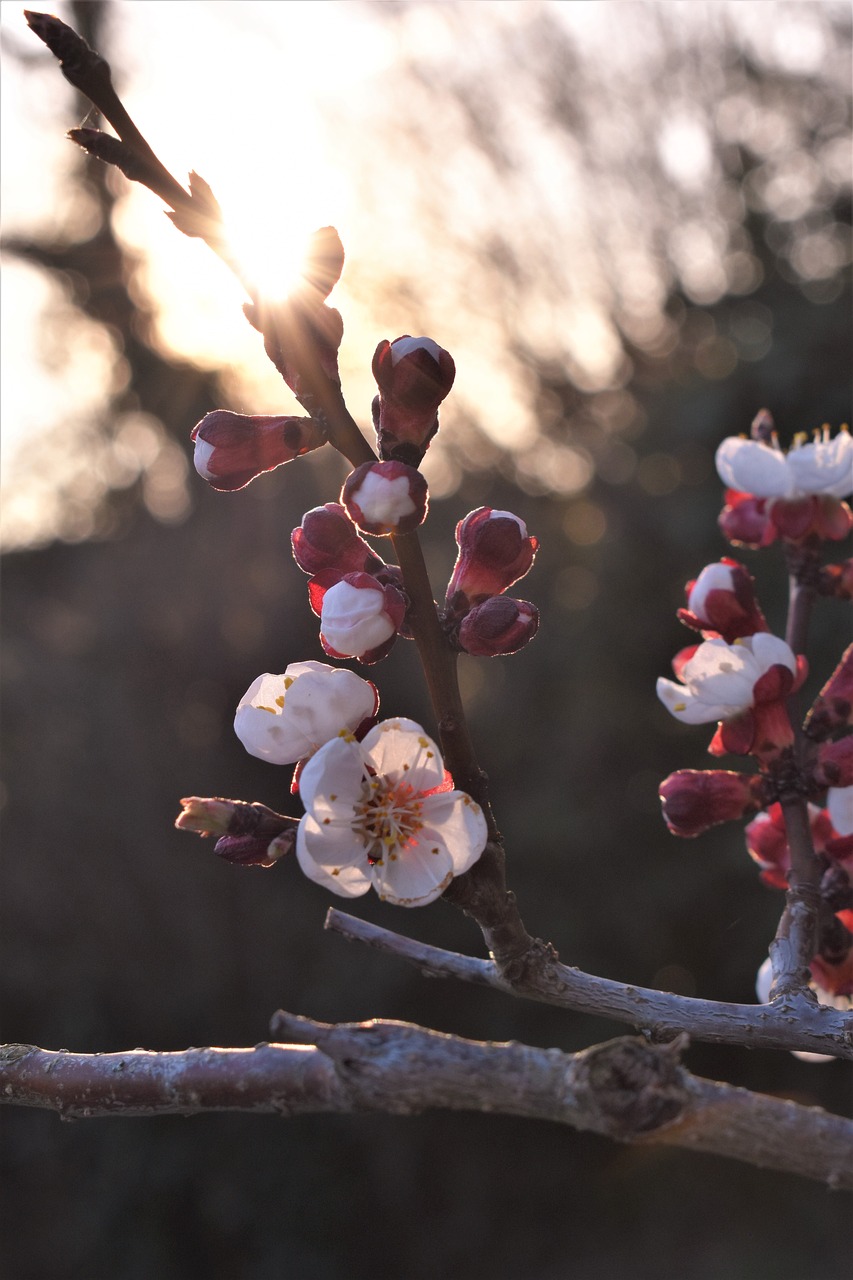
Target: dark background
pixel 124 658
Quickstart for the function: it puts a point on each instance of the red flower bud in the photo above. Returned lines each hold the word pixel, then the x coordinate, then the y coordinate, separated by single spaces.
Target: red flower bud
pixel 744 520
pixel 413 375
pixel 694 800
pixel 767 842
pixel 232 448
pixel 385 497
pixel 498 625
pixel 327 539
pixel 494 552
pixel 834 766
pixel 833 707
pixel 721 601
pixel 837 580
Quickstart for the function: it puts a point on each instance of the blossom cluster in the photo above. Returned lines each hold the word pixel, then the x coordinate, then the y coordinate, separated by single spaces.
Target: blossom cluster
pixel 741 678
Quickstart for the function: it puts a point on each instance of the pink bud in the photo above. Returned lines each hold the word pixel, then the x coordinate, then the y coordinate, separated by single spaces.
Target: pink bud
pixel 413 375
pixel 249 834
pixel 301 337
pixel 360 618
pixel 833 707
pixel 498 625
pixel 695 800
pixel 767 842
pixel 745 521
pixel 722 602
pixel 494 552
pixel 232 448
pixel 327 539
pixel 385 497
pixel 834 766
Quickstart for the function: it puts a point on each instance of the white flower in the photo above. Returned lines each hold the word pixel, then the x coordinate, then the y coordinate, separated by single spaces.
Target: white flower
pixel 719 679
pixel 354 620
pixel 285 718
pixel 373 817
pixel 839 802
pixel 764 982
pixel 823 467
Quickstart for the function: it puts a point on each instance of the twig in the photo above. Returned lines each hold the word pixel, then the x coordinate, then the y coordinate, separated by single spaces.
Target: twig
pixel 793 1022
pixel 626 1090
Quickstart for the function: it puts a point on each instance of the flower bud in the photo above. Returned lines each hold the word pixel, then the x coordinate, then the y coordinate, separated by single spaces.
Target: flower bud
pixel 286 718
pixel 360 618
pixel 413 375
pixel 498 625
pixel 836 580
pixel 249 834
pixel 327 539
pixel 832 709
pixel 834 767
pixel 385 497
pixel 694 800
pixel 722 602
pixel 767 842
pixel 232 448
pixel 494 552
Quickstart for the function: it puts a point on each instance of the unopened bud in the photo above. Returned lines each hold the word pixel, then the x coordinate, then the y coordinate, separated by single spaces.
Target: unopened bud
pixel 694 800
pixel 721 601
pixel 232 448
pixel 413 375
pixel 328 539
pixel 834 766
pixel 497 626
pixel 249 834
pixel 832 709
pixel 385 497
pixel 495 550
pixel 360 618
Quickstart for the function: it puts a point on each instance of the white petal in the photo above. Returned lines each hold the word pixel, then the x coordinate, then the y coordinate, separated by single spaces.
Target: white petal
pixel 769 651
pixel 752 467
pixel 403 347
pixel 416 877
pixel 722 675
pixel 262 729
pixel 714 577
pixel 331 781
pixel 201 457
pixel 384 501
pixel 400 749
pixel 839 802
pixel 825 466
pixel 686 707
pixel 459 822
pixel 342 868
pixel 323 700
pixel 764 981
pixel 353 619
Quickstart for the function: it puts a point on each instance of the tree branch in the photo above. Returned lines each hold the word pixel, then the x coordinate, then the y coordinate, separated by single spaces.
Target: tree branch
pixel 793 1022
pixel 627 1089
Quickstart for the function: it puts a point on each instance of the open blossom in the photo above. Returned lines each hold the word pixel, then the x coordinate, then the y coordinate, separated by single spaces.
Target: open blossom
pixel 377 814
pixel 790 495
pixel 286 718
pixel 823 467
pixel 742 686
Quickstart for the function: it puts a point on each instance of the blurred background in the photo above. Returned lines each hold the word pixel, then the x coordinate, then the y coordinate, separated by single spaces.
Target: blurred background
pixel 630 224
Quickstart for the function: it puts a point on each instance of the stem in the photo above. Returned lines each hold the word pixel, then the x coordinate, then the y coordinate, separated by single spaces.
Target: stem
pixel 793 947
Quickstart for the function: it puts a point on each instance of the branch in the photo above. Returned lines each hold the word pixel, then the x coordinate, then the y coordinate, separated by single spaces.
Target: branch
pixel 793 1022
pixel 626 1090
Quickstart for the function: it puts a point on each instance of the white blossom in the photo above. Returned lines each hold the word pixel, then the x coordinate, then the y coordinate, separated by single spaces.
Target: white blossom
pixel 839 803
pixel 719 679
pixel 374 817
pixel 285 718
pixel 824 466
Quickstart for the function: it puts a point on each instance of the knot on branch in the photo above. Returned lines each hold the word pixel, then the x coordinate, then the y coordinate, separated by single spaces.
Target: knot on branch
pixel 633 1086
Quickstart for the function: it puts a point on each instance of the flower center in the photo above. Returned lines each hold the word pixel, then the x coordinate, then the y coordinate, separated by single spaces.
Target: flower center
pixel 387 818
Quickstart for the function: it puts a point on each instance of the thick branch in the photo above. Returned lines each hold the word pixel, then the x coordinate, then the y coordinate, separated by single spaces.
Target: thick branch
pixel 795 1022
pixel 626 1090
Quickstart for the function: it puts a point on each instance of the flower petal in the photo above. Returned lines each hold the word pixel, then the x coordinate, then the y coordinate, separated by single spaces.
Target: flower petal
pixel 414 877
pixel 330 783
pixel 752 467
pixel 336 863
pixel 400 749
pixel 459 822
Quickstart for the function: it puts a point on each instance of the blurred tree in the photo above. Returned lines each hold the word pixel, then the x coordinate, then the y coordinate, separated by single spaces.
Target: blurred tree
pixel 624 278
